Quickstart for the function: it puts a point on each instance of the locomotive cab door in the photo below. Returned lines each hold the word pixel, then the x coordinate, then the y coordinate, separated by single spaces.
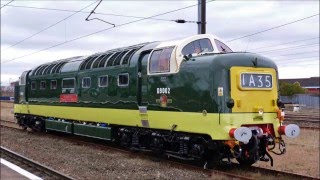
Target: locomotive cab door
pixel 142 79
pixel 23 89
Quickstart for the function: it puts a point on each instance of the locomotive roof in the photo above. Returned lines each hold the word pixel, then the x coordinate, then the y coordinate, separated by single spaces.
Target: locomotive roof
pixel 114 57
pixel 78 62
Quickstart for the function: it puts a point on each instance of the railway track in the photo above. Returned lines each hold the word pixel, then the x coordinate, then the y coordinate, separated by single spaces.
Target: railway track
pixel 306 124
pixel 274 173
pixel 302 117
pixel 304 120
pixel 39 170
pixel 230 171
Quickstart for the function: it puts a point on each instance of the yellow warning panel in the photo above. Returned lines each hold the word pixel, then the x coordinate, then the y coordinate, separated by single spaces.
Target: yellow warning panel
pixel 254 89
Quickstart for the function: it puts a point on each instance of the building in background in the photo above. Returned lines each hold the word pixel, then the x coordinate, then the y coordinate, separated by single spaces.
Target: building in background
pixel 7 91
pixel 312 85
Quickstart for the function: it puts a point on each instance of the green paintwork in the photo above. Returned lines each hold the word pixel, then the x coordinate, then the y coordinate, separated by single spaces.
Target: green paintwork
pixel 92 131
pixel 60 126
pixel 192 89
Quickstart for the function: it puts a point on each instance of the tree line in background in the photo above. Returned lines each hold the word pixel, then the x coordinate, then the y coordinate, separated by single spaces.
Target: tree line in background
pixel 287 89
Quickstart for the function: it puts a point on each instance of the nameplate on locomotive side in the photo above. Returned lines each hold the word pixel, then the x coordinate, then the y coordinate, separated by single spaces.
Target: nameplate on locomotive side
pixel 68 98
pixel 256 81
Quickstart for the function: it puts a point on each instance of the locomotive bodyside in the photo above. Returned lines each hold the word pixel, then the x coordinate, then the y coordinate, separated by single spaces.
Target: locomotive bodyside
pixel 212 101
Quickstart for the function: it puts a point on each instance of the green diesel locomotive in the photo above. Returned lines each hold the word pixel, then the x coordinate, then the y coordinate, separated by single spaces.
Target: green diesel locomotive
pixel 192 99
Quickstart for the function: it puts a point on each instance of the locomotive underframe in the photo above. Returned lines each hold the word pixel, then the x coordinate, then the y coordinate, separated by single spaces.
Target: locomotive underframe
pixel 180 145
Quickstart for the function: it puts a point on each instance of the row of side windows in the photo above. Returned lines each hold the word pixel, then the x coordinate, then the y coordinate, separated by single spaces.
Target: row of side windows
pixel 102 82
pixel 53 85
pixel 69 83
pixel 123 80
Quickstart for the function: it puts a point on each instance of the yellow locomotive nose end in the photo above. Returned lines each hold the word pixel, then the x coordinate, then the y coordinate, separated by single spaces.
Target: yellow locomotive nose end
pixel 242 134
pixel 291 130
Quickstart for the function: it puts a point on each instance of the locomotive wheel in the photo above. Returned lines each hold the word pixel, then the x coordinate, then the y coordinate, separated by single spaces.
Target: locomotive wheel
pixel 157 145
pixel 125 140
pixel 246 162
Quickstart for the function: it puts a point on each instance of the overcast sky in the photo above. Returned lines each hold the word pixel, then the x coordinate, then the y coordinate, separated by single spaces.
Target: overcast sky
pixel 294 47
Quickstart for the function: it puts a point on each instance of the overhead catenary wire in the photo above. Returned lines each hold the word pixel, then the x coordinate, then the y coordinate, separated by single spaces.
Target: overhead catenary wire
pixel 48 27
pixel 294 54
pixel 289 48
pixel 99 13
pixel 297 63
pixel 90 34
pixel 296 60
pixel 7 4
pixel 272 28
pixel 290 65
pixel 93 12
pixel 290 42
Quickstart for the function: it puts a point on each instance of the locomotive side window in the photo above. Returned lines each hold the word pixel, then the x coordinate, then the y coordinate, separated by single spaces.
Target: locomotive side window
pixel 86 82
pixel 160 60
pixel 68 83
pixel 123 79
pixel 198 46
pixel 42 85
pixel 33 85
pixel 103 81
pixel 222 47
pixel 53 84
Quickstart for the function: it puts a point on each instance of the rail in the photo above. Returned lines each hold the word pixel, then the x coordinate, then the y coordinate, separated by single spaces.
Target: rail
pixel 46 172
pixel 228 172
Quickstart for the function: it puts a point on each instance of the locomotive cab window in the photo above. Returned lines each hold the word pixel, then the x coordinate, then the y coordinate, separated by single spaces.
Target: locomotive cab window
pixel 53 84
pixel 123 79
pixel 222 47
pixel 160 60
pixel 42 85
pixel 86 82
pixel 33 85
pixel 103 81
pixel 68 85
pixel 198 46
